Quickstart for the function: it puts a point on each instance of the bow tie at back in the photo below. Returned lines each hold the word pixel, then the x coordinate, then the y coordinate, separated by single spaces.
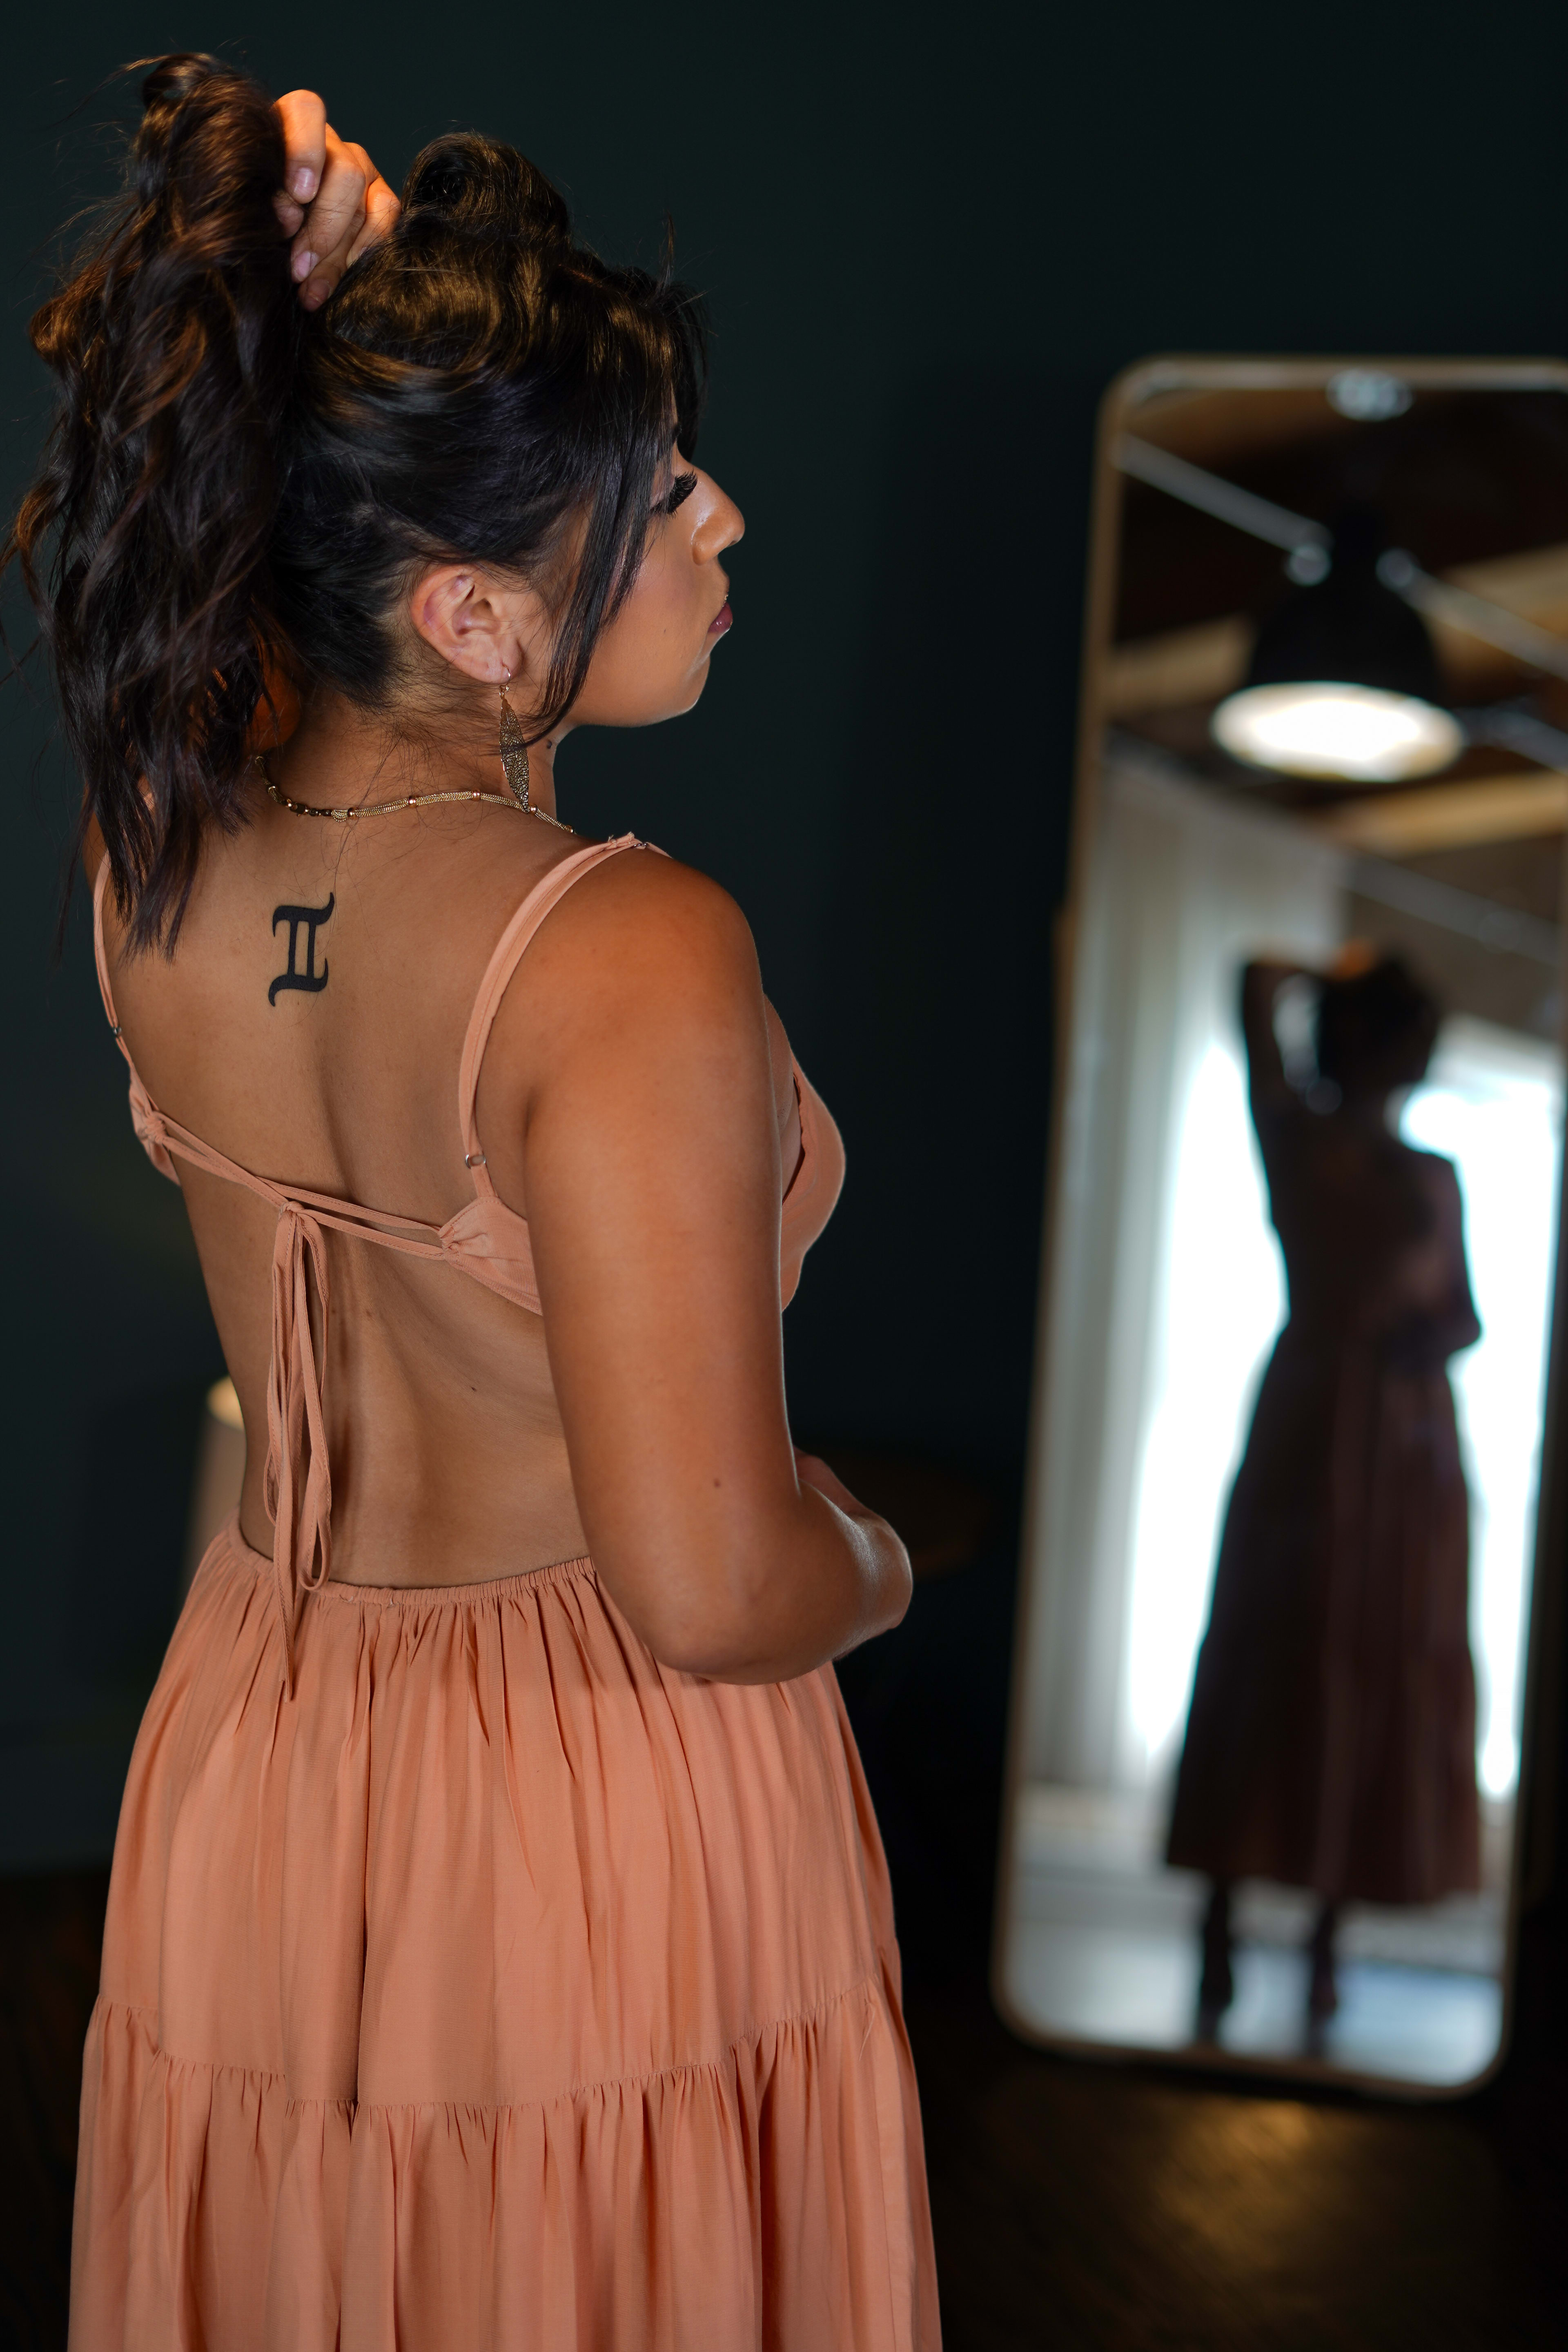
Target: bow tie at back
pixel 299 1476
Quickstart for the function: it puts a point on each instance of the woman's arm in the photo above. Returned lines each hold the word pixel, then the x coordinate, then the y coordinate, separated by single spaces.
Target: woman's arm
pixel 651 1180
pixel 1267 1084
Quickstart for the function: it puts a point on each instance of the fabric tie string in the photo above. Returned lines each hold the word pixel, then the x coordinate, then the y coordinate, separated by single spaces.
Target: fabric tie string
pixel 298 1489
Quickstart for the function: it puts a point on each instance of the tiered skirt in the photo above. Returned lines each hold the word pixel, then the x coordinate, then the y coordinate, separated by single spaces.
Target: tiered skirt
pixel 501 1989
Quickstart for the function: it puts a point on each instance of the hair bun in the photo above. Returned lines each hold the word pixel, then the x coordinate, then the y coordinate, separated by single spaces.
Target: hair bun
pixel 172 79
pixel 485 191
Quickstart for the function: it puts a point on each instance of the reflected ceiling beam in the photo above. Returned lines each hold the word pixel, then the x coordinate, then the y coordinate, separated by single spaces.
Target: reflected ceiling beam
pixel 1212 495
pixel 1475 616
pixel 1447 816
pixel 1533 586
pixel 1308 543
pixel 1373 872
pixel 1179 667
pixel 1505 931
pixel 1204 664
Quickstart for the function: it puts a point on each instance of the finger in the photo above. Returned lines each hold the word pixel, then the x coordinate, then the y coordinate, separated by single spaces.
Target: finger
pixel 378 208
pixel 381 210
pixel 334 220
pixel 304 120
pixel 290 214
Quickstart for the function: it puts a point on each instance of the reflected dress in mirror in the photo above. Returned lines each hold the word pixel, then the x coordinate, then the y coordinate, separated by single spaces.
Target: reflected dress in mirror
pixel 1331 1740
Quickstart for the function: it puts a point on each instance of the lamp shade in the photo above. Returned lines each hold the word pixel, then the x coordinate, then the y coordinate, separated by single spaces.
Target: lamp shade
pixel 1343 682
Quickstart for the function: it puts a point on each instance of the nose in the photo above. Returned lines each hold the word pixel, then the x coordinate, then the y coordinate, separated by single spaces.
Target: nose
pixel 719 525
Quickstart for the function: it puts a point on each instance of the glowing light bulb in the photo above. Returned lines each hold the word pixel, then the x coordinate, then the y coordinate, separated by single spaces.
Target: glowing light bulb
pixel 1359 734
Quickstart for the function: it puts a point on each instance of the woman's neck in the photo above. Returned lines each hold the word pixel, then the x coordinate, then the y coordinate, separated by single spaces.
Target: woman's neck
pixel 339 755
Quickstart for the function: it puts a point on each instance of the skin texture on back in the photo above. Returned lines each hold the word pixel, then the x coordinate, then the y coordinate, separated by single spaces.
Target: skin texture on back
pixel 449 1453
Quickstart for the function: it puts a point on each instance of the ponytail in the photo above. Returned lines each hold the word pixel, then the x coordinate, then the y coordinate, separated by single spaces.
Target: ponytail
pixel 144 540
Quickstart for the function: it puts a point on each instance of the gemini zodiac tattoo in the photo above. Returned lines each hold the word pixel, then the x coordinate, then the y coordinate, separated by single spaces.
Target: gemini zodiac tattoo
pixel 306 918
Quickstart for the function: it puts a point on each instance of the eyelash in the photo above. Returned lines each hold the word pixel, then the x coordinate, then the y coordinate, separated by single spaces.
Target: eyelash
pixel 684 485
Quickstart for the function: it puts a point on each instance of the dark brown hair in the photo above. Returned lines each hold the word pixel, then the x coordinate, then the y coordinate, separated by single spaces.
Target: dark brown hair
pixel 1377 1027
pixel 233 487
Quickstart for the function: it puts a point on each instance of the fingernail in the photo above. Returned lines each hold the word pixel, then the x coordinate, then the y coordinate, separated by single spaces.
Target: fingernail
pixel 304 183
pixel 303 264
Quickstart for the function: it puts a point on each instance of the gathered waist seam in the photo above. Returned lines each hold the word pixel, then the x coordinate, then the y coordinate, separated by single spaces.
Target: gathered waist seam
pixel 409 1596
pixel 872 1986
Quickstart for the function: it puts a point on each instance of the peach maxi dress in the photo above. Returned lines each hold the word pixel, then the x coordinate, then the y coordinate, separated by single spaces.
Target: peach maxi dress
pixel 471 1980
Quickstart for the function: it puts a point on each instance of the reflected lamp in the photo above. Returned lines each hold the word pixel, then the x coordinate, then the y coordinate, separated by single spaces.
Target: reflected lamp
pixel 1343 685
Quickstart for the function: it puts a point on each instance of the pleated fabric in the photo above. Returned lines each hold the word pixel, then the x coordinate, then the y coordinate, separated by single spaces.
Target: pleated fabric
pixel 501 1990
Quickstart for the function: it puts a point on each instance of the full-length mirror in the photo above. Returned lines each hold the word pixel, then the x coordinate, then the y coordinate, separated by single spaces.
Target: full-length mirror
pixel 1296 1305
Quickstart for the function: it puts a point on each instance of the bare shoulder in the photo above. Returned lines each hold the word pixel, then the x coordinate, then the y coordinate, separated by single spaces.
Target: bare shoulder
pixel 641 917
pixel 645 945
pixel 642 901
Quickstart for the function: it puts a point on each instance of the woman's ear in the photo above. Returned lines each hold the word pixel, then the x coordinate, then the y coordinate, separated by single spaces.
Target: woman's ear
pixel 472 622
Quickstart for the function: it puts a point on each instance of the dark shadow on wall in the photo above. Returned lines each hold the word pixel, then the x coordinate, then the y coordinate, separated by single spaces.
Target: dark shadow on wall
pixel 64 1760
pixel 927 1703
pixel 914 1326
pixel 933 1040
pixel 123 1581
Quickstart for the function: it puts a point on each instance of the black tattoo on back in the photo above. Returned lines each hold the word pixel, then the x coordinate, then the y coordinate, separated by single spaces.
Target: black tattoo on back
pixel 298 919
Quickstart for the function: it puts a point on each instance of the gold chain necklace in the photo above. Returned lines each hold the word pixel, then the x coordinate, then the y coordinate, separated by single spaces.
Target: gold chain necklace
pixel 408 801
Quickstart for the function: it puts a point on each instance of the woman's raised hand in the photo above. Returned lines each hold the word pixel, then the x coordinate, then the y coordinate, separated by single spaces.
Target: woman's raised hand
pixel 333 203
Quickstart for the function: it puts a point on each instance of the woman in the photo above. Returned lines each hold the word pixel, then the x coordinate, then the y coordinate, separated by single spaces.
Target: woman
pixel 1331 1741
pixel 499 1950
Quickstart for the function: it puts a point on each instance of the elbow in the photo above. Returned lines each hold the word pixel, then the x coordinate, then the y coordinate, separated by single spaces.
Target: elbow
pixel 726 1663
pixel 757 1643
pixel 761 1604
pixel 721 1650
pixel 731 1637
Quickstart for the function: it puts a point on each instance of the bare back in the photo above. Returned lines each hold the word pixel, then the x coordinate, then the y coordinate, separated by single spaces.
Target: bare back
pixel 310 1027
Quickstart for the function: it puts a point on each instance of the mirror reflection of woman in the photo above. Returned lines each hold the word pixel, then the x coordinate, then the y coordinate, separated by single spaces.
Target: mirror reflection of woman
pixel 500 1948
pixel 1331 1740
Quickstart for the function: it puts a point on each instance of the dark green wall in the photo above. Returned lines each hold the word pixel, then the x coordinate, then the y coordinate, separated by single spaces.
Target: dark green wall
pixel 929 240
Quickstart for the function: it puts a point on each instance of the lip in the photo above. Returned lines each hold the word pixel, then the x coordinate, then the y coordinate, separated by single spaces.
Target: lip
pixel 723 622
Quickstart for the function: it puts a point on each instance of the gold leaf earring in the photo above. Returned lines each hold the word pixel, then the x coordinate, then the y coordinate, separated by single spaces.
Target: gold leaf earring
pixel 513 749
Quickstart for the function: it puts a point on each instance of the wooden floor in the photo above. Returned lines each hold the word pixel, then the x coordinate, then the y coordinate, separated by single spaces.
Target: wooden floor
pixel 1081 2206
pixel 50 1931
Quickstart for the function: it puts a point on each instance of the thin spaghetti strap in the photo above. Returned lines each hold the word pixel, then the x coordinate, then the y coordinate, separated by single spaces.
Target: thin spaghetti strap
pixel 508 951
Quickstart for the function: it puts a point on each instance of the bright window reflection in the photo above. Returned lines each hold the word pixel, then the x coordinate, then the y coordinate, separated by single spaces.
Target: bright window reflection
pixel 1492 1104
pixel 1223 1300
